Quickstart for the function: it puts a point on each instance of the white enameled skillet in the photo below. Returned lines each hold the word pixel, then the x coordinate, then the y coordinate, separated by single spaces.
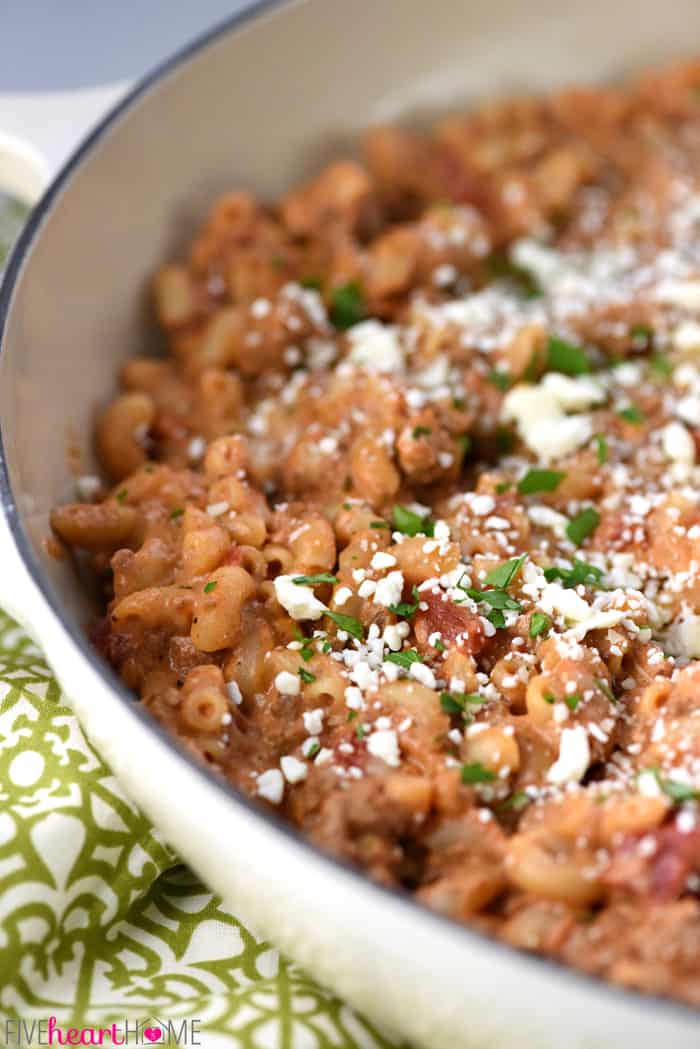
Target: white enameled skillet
pixel 259 103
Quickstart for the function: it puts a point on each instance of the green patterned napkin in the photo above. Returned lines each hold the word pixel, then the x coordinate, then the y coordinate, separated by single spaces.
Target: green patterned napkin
pixel 99 922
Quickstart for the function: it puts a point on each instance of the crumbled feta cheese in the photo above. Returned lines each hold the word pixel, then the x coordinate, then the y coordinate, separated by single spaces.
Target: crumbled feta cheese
pixel 574 757
pixel 422 674
pixel 384 744
pixel 293 770
pixel 288 684
pixel 382 560
pixel 217 509
pixel 342 594
pixel 299 601
pixel 389 589
pixel 313 721
pixel 375 347
pixel 270 786
pixel 677 443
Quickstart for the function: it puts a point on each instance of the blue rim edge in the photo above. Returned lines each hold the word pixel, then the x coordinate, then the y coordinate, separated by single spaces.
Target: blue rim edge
pixel 558 970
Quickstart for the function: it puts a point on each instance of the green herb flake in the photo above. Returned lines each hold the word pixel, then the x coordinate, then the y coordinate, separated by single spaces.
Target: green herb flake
pixel 379 524
pixel 421 431
pixel 464 442
pixel 583 525
pixel 504 486
pixel 313 750
pixel 601 444
pixel 311 283
pixel 406 608
pixel 476 773
pixel 572 702
pixel 505 441
pixel 177 512
pixel 540 623
pixel 580 572
pixel 404 659
pixel 660 364
pixel 360 731
pixel 642 335
pixel 675 790
pixel 439 646
pixel 456 702
pixel 503 268
pixel 314 580
pixel 349 624
pixel 540 481
pixel 504 575
pixel 459 404
pixel 632 414
pixel 306 676
pixel 121 496
pixel 409 523
pixel 501 380
pixel 517 802
pixel 605 689
pixel 326 647
pixel 563 356
pixel 211 585
pixel 679 792
pixel 347 305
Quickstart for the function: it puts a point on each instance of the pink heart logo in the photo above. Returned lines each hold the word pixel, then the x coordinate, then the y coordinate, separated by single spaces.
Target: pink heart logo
pixel 154 1034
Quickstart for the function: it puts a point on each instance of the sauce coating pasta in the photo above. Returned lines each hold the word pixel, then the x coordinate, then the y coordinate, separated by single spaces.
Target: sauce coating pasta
pixel 403 536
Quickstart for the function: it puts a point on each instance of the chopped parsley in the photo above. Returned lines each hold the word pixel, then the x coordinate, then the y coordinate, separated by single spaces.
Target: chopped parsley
pixel 409 523
pixel 311 283
pixel 540 481
pixel 347 305
pixel 504 575
pixel 476 773
pixel 583 525
pixel 632 414
pixel 211 585
pixel 464 442
pixel 306 675
pixel 660 363
pixel 379 524
pixel 504 486
pixel 518 801
pixel 456 702
pixel 675 790
pixel 406 608
pixel 421 431
pixel 313 750
pixel 404 659
pixel 349 624
pixel 642 335
pixel 440 646
pixel 313 580
pixel 177 512
pixel 121 496
pixel 505 441
pixel 605 689
pixel 540 623
pixel 501 380
pixel 503 268
pixel 572 701
pixel 580 572
pixel 360 731
pixel 566 357
pixel 601 448
pixel 459 404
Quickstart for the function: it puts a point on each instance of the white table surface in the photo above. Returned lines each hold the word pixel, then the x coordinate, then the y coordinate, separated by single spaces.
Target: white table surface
pixel 64 62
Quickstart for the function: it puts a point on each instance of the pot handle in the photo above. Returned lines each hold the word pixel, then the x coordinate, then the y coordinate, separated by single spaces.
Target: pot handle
pixel 39 131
